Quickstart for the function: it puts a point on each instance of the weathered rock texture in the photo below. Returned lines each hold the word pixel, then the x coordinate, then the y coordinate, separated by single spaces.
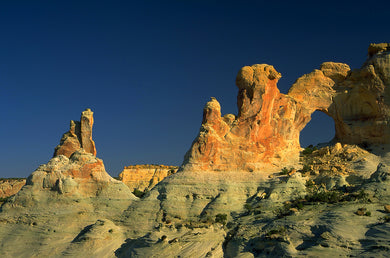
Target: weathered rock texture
pixel 74 171
pixel 79 136
pixel 10 186
pixel 68 205
pixel 266 131
pixel 82 174
pixel 142 177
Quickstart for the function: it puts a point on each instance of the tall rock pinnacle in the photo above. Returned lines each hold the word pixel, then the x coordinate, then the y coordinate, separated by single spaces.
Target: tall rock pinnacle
pixel 79 136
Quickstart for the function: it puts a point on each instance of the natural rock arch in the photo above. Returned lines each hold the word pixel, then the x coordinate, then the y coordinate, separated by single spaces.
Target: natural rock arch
pixel 320 129
pixel 265 133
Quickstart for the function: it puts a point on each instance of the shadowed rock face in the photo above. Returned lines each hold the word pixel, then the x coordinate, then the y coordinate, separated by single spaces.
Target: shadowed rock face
pixel 362 104
pixel 79 136
pixel 266 131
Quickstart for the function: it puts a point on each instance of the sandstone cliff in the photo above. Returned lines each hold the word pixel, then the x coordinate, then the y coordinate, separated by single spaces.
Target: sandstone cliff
pixel 145 177
pixel 78 136
pixel 265 133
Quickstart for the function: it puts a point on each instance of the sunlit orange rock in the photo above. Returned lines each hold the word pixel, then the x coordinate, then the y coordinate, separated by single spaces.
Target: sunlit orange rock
pixel 10 186
pixel 265 133
pixel 78 136
pixel 142 177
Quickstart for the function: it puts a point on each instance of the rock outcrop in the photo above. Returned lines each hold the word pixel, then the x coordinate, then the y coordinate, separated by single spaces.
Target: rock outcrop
pixel 143 177
pixel 71 206
pixel 10 186
pixel 82 174
pixel 265 133
pixel 68 205
pixel 79 136
pixel 361 107
pixel 74 171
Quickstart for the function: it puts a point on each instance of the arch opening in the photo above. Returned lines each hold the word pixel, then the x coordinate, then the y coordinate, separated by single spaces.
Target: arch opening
pixel 320 129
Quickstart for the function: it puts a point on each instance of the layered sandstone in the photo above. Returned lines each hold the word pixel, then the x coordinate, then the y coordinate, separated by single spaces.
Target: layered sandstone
pixel 142 177
pixel 265 133
pixel 79 136
pixel 10 186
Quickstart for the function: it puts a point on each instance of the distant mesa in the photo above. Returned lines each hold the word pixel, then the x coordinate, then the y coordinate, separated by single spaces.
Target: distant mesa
pixel 79 136
pixel 145 177
pixel 265 133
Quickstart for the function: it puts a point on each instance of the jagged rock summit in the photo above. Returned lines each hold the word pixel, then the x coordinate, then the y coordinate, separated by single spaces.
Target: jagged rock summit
pixel 79 136
pixel 74 171
pixel 265 133
pixel 68 204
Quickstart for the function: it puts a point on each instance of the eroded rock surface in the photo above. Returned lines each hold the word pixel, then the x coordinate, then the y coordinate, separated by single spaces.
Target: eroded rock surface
pixel 10 186
pixel 266 130
pixel 142 177
pixel 68 206
pixel 82 174
pixel 78 136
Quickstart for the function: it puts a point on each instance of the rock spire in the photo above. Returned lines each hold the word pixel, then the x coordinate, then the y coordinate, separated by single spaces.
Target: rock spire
pixel 79 136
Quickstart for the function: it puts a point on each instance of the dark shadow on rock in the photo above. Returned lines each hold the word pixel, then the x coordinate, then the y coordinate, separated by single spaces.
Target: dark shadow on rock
pixel 312 241
pixel 81 236
pixel 129 248
pixel 377 241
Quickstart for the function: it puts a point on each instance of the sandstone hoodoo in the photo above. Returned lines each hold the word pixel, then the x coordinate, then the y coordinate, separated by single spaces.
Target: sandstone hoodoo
pixel 78 136
pixel 74 170
pixel 145 177
pixel 265 133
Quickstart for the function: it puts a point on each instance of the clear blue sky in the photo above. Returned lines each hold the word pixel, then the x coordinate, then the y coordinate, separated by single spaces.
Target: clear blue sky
pixel 146 68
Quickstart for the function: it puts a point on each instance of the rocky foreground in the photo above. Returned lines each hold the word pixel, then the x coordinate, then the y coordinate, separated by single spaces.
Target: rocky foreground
pixel 245 189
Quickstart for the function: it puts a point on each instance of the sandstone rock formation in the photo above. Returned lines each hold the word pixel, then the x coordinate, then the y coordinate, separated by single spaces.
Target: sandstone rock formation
pixel 68 205
pixel 265 133
pixel 142 177
pixel 10 186
pixel 74 171
pixel 82 174
pixel 78 136
pixel 71 206
pixel 361 106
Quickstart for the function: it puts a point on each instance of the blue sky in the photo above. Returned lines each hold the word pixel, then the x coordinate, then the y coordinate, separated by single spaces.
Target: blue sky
pixel 146 68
